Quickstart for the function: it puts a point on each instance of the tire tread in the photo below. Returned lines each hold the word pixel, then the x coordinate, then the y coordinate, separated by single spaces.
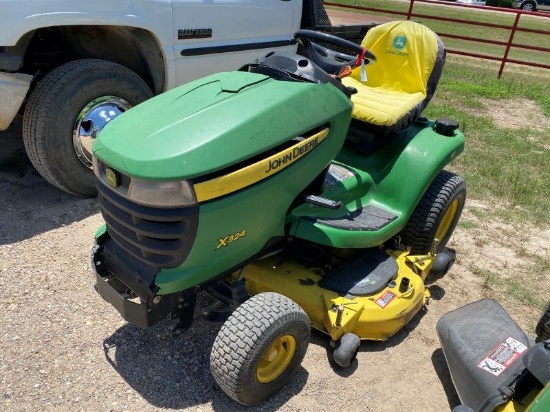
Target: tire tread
pixel 420 230
pixel 39 112
pixel 241 337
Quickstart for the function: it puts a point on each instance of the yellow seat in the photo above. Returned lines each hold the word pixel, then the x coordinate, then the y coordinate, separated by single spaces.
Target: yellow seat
pixel 401 82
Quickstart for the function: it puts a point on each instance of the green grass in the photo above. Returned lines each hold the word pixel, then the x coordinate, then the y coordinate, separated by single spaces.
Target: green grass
pixel 468 224
pixel 471 30
pixel 507 170
pixel 509 288
pixel 509 166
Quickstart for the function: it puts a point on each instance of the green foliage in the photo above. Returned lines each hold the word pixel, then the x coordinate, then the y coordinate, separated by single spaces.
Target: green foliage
pixel 500 3
pixel 506 3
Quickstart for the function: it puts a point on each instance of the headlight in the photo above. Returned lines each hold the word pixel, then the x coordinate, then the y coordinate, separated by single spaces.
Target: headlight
pixel 161 194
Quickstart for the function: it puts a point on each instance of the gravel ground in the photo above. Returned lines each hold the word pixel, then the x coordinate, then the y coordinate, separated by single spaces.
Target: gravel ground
pixel 65 349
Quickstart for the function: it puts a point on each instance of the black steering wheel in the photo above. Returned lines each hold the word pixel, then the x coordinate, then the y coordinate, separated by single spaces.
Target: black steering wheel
pixel 329 60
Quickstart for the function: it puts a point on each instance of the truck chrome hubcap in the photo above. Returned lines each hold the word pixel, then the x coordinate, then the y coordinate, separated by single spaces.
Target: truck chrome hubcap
pixel 91 120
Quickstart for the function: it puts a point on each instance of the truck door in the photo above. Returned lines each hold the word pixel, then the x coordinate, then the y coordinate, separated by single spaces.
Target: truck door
pixel 221 35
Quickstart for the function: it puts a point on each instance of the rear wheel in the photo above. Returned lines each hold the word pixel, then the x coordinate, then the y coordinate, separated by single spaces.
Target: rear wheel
pixel 543 325
pixel 436 215
pixel 260 347
pixel 66 111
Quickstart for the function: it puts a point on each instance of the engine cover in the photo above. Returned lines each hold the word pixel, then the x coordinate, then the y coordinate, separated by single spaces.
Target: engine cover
pixel 247 143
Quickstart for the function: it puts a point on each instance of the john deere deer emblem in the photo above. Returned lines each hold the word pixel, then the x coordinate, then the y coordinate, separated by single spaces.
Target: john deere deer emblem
pixel 399 42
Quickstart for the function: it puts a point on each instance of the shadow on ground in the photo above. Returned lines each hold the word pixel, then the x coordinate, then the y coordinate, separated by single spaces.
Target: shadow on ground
pixel 323 340
pixel 440 366
pixel 29 204
pixel 174 373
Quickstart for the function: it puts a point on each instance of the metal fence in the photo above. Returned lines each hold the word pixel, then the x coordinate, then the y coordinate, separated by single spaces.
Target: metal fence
pixel 512 30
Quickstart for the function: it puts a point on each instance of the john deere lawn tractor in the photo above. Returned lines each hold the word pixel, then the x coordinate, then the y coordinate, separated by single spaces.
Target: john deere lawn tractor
pixel 304 190
pixel 495 366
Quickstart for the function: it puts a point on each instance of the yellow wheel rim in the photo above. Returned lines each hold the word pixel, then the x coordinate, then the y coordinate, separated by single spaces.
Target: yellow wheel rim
pixel 447 221
pixel 276 359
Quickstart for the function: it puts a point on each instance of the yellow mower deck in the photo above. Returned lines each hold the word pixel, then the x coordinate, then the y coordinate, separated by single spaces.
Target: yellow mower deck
pixel 375 317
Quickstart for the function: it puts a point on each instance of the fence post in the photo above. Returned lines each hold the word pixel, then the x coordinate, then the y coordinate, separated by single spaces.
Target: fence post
pixel 411 5
pixel 509 45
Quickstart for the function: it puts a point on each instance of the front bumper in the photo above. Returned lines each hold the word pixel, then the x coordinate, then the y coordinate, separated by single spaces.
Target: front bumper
pixel 126 288
pixel 13 89
pixel 141 314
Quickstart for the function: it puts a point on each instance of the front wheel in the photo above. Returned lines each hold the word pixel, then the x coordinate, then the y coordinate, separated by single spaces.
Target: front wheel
pixel 67 110
pixel 436 215
pixel 260 347
pixel 346 350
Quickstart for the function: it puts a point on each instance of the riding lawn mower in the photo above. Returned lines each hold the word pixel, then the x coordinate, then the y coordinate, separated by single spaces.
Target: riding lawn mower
pixel 304 190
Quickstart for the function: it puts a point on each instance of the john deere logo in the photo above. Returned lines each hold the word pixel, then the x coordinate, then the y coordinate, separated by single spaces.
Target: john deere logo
pixel 112 177
pixel 399 42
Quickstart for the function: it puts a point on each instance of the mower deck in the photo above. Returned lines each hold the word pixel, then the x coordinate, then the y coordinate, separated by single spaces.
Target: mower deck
pixel 375 316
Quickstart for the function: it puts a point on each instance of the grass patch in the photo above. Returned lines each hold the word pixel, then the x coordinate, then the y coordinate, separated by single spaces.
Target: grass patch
pixel 515 290
pixel 468 224
pixel 498 163
pixel 495 286
pixel 490 279
pixel 539 269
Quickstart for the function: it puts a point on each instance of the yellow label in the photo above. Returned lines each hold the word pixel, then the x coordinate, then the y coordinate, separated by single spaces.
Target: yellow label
pixel 258 171
pixel 224 241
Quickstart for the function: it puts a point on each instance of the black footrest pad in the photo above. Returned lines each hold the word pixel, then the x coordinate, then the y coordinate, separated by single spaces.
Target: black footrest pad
pixel 366 275
pixel 370 218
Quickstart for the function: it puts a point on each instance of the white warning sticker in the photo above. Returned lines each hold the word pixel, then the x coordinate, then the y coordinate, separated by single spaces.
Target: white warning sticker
pixel 385 299
pixel 504 355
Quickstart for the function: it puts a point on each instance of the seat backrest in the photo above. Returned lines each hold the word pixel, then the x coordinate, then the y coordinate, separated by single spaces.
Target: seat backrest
pixel 410 58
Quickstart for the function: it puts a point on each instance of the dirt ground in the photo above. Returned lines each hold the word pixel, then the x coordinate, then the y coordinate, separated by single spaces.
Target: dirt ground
pixel 64 348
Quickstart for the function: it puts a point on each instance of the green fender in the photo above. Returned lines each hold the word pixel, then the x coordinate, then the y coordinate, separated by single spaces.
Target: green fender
pixel 542 401
pixel 392 179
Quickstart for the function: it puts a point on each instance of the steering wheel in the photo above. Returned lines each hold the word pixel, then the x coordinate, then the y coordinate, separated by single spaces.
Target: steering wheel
pixel 329 60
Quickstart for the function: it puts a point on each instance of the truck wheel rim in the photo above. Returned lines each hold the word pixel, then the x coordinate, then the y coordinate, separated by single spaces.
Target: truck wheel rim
pixel 276 359
pixel 447 220
pixel 91 120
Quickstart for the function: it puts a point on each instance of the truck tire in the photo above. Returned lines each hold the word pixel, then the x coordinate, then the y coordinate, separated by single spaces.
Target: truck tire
pixel 436 215
pixel 260 347
pixel 543 326
pixel 65 112
pixel 529 6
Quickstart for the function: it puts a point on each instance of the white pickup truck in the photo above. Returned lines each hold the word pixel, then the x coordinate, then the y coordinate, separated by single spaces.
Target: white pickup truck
pixel 70 66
